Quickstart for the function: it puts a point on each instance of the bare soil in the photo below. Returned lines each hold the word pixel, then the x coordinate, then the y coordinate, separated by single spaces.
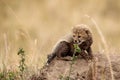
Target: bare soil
pixel 97 69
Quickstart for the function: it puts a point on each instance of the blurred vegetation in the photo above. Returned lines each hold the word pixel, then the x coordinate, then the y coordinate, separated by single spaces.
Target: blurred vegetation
pixel 36 25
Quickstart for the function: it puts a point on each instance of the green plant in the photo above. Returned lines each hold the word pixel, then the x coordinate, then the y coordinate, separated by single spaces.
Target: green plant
pixel 8 75
pixel 22 65
pixel 11 75
pixel 61 77
pixel 76 50
pixel 1 75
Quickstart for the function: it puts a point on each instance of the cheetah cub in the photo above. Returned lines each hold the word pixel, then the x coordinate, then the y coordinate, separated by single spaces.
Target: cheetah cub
pixel 81 35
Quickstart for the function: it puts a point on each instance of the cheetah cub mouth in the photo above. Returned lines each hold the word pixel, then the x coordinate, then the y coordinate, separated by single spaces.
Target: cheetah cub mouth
pixel 79 43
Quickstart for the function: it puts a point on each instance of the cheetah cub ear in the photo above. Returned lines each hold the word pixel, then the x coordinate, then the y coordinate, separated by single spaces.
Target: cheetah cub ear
pixel 88 32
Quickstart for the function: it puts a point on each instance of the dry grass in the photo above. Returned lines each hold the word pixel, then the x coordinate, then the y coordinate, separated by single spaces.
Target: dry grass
pixel 37 25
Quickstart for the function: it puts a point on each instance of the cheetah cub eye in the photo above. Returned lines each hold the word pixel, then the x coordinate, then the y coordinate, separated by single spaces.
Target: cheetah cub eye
pixel 79 36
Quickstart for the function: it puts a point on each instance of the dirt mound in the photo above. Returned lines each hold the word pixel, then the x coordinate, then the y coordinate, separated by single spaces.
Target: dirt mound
pixel 98 69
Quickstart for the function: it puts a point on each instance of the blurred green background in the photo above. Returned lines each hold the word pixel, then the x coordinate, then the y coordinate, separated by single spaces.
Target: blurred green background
pixel 36 25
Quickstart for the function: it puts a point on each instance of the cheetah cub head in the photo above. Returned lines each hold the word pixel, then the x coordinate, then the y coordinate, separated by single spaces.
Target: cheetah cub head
pixel 81 33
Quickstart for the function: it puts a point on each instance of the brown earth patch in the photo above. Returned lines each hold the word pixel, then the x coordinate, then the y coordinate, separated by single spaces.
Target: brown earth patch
pixel 98 69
